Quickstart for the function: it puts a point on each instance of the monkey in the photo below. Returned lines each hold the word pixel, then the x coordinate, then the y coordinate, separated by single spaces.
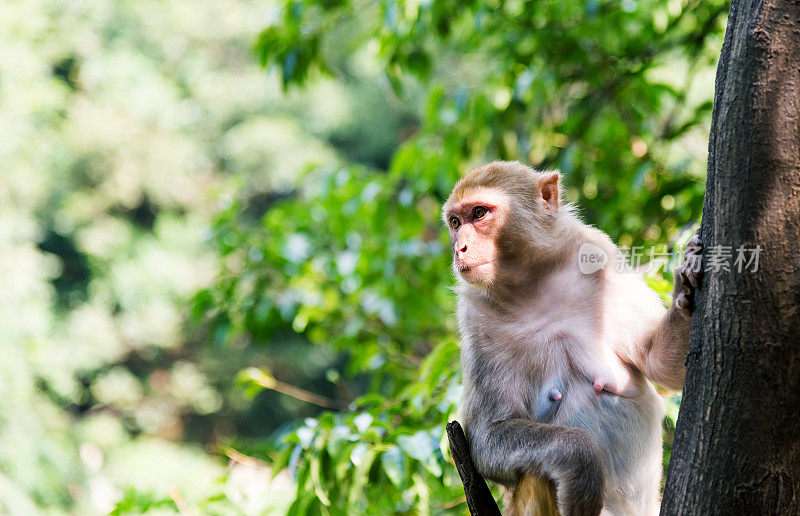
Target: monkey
pixel 558 359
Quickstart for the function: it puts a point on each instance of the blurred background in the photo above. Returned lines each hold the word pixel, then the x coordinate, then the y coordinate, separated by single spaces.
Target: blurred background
pixel 225 285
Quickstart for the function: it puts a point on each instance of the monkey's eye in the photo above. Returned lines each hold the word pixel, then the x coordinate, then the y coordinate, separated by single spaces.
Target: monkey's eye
pixel 454 222
pixel 479 211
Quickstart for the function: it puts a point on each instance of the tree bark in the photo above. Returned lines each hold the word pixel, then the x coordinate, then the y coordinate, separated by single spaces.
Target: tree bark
pixel 737 443
pixel 479 498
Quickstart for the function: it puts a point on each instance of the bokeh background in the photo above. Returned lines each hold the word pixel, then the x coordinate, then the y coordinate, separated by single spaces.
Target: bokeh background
pixel 224 284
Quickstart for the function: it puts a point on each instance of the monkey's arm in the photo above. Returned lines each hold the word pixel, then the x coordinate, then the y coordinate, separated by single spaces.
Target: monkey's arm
pixel 506 450
pixel 663 357
pixel 664 352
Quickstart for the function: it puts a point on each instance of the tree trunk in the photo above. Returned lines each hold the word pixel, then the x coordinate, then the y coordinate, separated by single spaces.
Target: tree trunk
pixel 737 444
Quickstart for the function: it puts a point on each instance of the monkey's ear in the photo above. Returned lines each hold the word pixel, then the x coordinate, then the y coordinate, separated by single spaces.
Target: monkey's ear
pixel 548 189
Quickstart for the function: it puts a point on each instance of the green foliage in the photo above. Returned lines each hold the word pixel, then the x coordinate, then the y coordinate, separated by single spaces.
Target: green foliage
pixel 327 264
pixel 385 455
pixel 614 95
pixel 135 502
pixel 121 124
pixel 299 271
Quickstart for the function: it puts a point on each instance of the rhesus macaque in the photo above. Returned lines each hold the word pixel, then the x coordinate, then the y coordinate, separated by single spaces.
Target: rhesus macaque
pixel 558 353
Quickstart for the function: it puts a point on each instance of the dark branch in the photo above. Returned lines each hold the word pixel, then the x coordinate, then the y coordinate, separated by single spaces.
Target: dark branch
pixel 479 498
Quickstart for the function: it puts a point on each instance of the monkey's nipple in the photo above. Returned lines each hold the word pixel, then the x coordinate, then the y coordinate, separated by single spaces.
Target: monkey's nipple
pixel 554 394
pixel 599 384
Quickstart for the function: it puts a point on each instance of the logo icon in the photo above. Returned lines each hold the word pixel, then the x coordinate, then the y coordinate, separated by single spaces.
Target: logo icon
pixel 591 258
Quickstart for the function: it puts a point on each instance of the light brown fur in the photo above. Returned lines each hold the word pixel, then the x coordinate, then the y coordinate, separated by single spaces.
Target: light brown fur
pixel 532 496
pixel 533 320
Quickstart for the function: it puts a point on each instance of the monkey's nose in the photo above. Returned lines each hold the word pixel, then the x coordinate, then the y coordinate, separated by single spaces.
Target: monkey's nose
pixel 463 249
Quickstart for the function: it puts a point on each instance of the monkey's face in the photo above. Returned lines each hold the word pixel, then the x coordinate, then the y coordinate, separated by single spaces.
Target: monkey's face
pixel 500 218
pixel 475 221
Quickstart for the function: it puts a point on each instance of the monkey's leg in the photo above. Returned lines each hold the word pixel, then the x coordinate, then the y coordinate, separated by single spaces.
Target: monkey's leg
pixel 533 496
pixel 665 350
pixel 508 450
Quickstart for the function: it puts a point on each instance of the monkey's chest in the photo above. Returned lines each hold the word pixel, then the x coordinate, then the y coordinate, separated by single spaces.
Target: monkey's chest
pixel 532 375
pixel 545 372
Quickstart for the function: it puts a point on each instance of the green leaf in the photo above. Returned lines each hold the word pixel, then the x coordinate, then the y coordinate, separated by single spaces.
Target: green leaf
pixel 422 447
pixel 394 466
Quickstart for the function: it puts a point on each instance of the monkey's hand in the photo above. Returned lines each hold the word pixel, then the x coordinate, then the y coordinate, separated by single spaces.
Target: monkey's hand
pixel 689 275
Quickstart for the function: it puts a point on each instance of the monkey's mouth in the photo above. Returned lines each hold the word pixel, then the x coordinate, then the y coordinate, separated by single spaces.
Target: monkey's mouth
pixel 463 267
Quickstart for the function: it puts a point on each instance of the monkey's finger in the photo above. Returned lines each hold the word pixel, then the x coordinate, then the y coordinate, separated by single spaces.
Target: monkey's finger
pixel 682 301
pixel 695 239
pixel 694 278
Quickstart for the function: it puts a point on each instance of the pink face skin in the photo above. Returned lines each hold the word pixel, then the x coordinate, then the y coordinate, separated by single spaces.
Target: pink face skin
pixel 474 224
